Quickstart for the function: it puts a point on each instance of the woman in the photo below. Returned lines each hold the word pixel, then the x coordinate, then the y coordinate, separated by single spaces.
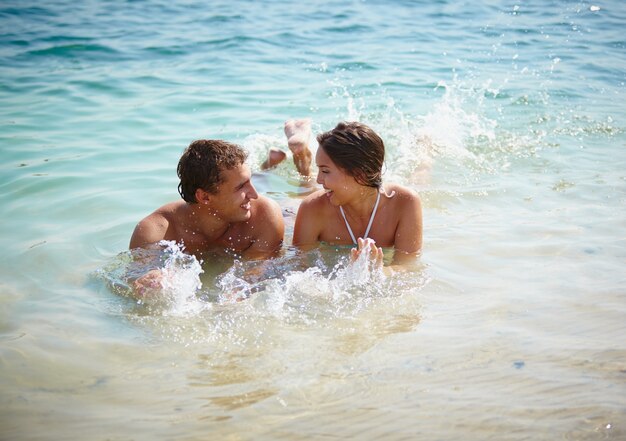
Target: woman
pixel 353 205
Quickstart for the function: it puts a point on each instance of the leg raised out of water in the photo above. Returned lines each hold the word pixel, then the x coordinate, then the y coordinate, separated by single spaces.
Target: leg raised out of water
pixel 298 132
pixel 275 157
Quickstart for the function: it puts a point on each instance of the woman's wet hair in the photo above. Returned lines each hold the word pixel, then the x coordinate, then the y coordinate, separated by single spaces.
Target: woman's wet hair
pixel 202 163
pixel 357 149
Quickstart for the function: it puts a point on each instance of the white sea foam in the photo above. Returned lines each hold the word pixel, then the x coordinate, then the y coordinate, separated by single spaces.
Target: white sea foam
pixel 258 145
pixel 181 281
pixel 178 276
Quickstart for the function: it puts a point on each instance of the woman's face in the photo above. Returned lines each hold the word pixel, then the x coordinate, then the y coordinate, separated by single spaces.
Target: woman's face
pixel 340 186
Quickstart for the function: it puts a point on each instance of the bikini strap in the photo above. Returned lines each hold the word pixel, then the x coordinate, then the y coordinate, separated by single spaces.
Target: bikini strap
pixel 347 225
pixel 369 225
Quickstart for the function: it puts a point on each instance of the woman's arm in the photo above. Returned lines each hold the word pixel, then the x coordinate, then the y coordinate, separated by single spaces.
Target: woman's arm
pixel 309 221
pixel 408 238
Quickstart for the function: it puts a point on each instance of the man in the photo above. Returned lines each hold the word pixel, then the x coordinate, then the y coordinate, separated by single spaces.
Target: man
pixel 220 210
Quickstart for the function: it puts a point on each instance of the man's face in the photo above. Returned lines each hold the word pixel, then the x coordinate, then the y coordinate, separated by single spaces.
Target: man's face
pixel 232 200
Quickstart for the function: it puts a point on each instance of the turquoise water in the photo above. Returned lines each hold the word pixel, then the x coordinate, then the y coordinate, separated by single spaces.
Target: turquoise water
pixel 509 120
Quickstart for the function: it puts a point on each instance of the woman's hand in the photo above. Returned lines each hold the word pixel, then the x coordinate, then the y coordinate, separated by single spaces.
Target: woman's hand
pixel 368 246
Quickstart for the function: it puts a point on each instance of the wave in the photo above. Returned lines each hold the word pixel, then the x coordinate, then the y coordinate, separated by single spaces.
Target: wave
pixel 75 50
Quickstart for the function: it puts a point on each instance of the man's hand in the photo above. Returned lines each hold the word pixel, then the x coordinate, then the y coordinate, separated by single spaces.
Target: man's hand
pixel 148 283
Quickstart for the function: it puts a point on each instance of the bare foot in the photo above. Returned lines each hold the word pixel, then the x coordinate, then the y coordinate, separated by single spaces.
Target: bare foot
pixel 275 157
pixel 298 133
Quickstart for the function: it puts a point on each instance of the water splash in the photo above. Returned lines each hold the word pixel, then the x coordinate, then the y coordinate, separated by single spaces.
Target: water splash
pixel 233 285
pixel 308 287
pixel 354 105
pixel 450 130
pixel 181 281
pixel 451 126
pixel 297 277
pixel 468 131
pixel 177 275
pixel 241 306
pixel 258 146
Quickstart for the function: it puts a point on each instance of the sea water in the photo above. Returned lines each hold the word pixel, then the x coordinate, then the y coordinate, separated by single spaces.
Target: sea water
pixel 506 117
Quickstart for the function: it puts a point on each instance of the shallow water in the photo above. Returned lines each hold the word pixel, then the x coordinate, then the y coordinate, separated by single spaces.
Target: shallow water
pixel 507 118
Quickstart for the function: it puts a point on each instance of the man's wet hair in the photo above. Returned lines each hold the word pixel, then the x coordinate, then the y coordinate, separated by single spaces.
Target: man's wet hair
pixel 202 163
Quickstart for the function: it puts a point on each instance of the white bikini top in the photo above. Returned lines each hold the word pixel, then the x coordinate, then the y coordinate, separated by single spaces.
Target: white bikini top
pixel 369 225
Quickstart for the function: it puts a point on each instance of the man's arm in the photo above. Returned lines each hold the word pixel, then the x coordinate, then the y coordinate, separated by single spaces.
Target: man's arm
pixel 269 230
pixel 149 231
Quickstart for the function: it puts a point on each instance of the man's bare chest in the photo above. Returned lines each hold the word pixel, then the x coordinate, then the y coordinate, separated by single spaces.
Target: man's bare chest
pixel 233 239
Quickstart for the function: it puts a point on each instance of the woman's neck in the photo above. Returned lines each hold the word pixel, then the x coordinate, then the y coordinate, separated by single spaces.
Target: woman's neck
pixel 361 206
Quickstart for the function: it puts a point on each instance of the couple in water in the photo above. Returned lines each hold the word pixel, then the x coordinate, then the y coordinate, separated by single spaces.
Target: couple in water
pixel 221 209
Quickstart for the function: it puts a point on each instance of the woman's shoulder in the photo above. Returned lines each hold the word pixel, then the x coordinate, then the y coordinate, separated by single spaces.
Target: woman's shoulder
pixel 316 200
pixel 400 193
pixel 315 205
pixel 312 215
pixel 403 201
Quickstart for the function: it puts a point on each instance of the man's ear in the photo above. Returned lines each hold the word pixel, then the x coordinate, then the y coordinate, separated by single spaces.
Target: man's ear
pixel 202 196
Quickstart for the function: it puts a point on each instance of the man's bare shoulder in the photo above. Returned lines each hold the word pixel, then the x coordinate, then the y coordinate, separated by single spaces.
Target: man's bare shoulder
pixel 266 213
pixel 153 228
pixel 264 206
pixel 266 228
